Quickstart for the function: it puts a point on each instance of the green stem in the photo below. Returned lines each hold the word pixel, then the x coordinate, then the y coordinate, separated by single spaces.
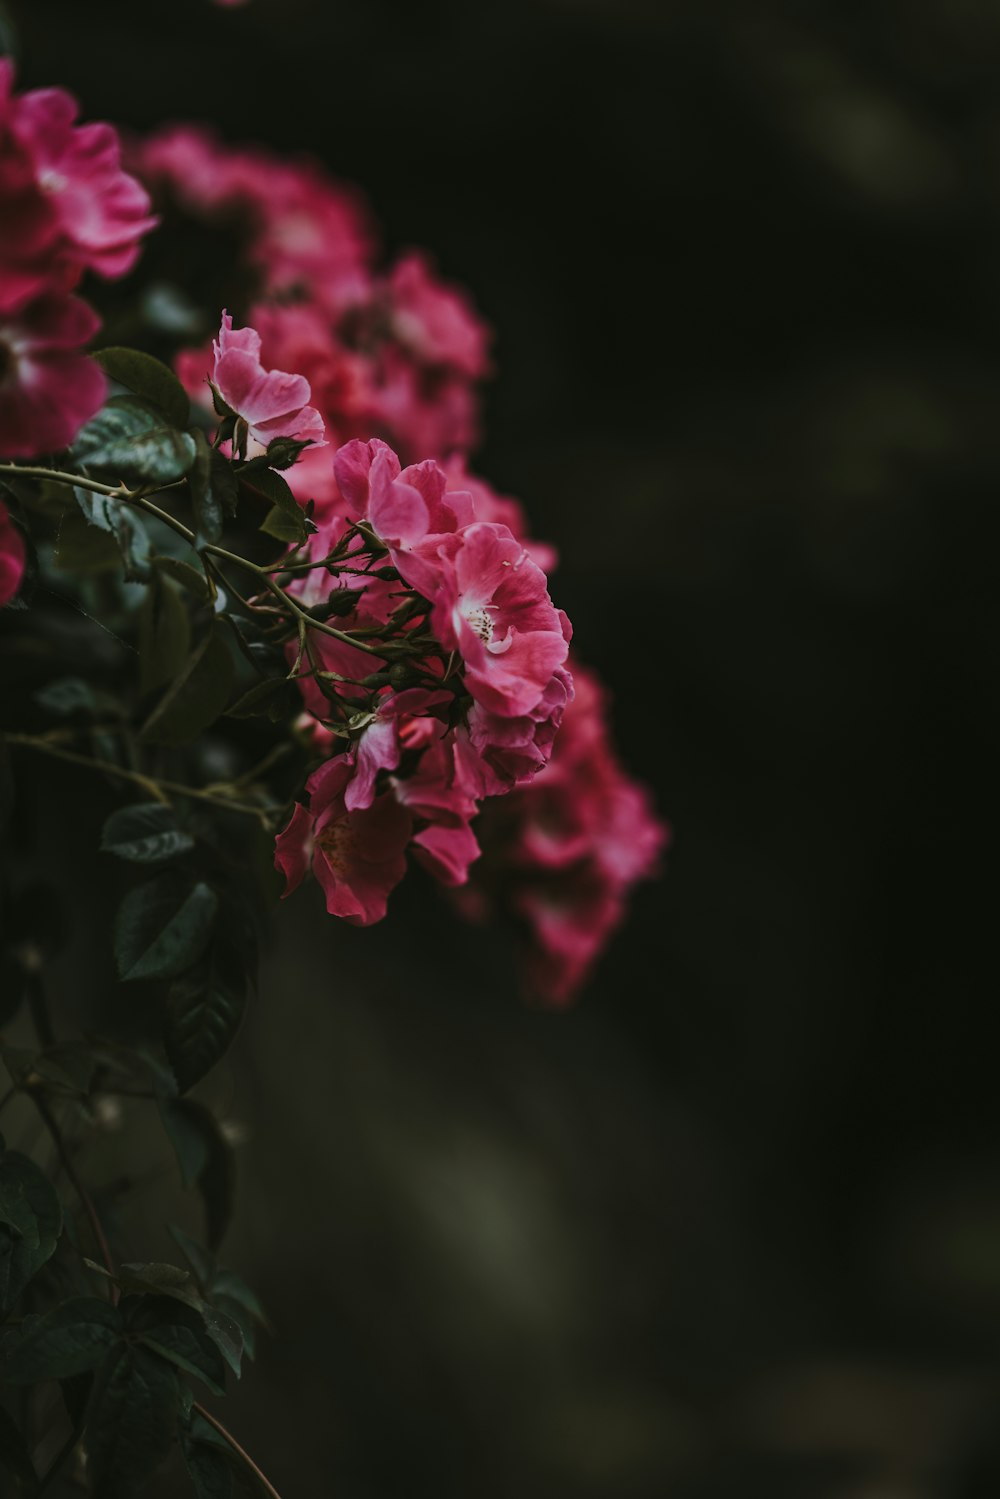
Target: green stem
pixel 155 788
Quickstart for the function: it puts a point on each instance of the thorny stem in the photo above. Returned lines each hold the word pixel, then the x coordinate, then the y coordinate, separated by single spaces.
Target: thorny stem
pixel 138 497
pixel 156 788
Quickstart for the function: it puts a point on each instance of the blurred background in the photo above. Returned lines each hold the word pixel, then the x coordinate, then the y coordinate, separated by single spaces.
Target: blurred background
pixel 730 1227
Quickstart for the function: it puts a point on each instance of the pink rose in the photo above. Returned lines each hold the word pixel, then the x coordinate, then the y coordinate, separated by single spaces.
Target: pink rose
pixel 271 402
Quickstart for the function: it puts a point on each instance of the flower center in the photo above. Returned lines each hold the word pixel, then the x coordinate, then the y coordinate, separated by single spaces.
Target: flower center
pixel 480 621
pixel 51 181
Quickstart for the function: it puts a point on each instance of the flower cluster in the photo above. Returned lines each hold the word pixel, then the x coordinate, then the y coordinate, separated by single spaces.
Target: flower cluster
pixel 67 208
pixel 394 353
pixel 563 853
pixel 470 689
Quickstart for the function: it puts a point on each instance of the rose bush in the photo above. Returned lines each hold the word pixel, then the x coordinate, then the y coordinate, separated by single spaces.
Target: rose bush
pixel 319 630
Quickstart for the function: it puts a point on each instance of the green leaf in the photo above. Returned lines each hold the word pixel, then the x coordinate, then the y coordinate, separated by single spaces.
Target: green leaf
pixel 148 378
pixel 187 576
pixel 162 928
pixel 164 633
pixel 84 548
pixel 270 698
pixel 156 1279
pixel 201 1262
pixel 225 484
pixel 226 1334
pixel 273 488
pixel 115 517
pixel 205 1158
pixel 204 501
pixel 133 1422
pixel 131 438
pixel 203 1016
pixel 178 1333
pixel 197 697
pixel 206 1459
pixel 145 834
pixel 15 1457
pixel 74 1337
pixel 30 1227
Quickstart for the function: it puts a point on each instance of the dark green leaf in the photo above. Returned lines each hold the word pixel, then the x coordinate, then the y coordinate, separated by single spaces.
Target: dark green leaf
pixel 276 693
pixel 15 1457
pixel 164 634
pixel 226 1334
pixel 205 1157
pixel 84 548
pixel 162 928
pixel 201 1262
pixel 130 437
pixel 156 1279
pixel 72 1338
pixel 133 1422
pixel 178 1333
pixel 207 1460
pixel 30 1226
pixel 185 574
pixel 115 517
pixel 203 1016
pixel 273 488
pixel 204 501
pixel 197 697
pixel 148 378
pixel 225 484
pixel 145 834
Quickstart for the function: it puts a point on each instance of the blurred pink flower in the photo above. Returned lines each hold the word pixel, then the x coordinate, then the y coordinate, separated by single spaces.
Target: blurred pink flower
pixel 48 388
pixel 12 556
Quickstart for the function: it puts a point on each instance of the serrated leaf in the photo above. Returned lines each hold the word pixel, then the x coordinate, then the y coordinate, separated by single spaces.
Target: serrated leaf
pixel 15 1457
pixel 164 634
pixel 133 1422
pixel 273 488
pixel 225 484
pixel 149 378
pixel 205 1157
pixel 204 501
pixel 115 518
pixel 163 928
pixel 72 1338
pixel 203 1016
pixel 130 437
pixel 226 1334
pixel 145 834
pixel 197 697
pixel 32 1223
pixel 178 1333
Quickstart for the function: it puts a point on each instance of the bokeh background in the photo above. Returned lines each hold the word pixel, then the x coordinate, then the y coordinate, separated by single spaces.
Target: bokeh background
pixel 731 1227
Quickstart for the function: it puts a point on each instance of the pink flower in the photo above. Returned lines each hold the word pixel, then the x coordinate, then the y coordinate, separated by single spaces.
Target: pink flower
pixel 435 322
pixel 271 402
pixel 565 850
pixel 408 510
pixel 488 505
pixel 494 608
pixel 497 753
pixel 99 213
pixel 48 389
pixel 378 747
pixel 358 857
pixel 12 556
pixel 445 843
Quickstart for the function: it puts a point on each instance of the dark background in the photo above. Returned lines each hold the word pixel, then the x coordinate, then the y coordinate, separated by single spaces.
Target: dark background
pixel 732 1226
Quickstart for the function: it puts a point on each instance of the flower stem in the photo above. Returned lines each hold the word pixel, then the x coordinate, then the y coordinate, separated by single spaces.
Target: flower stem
pixel 241 1452
pixel 156 788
